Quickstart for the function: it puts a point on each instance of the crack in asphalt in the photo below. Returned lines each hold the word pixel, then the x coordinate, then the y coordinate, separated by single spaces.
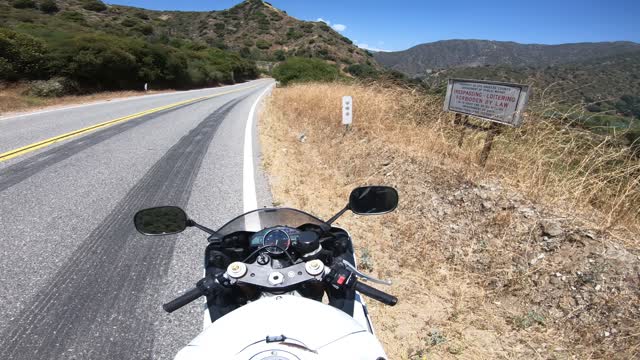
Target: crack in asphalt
pixel 98 305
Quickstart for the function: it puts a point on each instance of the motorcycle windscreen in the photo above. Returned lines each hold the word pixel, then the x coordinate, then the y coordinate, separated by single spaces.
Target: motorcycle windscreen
pixel 257 220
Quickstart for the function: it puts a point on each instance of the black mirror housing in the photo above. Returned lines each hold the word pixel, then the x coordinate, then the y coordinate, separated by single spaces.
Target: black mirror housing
pixel 164 220
pixel 373 200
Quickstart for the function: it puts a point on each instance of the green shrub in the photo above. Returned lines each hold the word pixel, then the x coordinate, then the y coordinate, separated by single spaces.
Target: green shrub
pixel 129 22
pixel 292 34
pixel 301 69
pixel 629 105
pixel 23 4
pixel 94 5
pixel 145 29
pixel 362 71
pixel 219 26
pixel 307 27
pixel 73 16
pixel 141 15
pixel 21 56
pixel 279 55
pixel 48 88
pixel 217 43
pixel 49 7
pixel 245 52
pixel 263 44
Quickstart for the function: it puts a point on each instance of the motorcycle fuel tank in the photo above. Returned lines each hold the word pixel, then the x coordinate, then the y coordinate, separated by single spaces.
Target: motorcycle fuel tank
pixel 284 327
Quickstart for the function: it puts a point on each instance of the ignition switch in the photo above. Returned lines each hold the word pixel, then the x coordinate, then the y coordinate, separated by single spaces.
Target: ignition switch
pixel 263 259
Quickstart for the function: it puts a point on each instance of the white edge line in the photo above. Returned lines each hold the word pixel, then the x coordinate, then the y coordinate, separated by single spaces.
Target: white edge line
pixel 248 174
pixel 249 196
pixel 116 100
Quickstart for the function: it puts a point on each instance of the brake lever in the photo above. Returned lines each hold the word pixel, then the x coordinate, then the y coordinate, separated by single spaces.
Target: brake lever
pixel 365 276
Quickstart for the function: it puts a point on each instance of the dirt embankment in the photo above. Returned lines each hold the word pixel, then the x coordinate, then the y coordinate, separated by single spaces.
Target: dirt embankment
pixel 14 99
pixel 511 261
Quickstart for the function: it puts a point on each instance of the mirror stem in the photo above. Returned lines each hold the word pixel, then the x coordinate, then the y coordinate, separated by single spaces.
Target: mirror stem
pixel 203 228
pixel 337 216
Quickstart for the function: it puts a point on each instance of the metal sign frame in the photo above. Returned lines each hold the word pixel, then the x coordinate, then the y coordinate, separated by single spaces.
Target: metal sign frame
pixel 523 99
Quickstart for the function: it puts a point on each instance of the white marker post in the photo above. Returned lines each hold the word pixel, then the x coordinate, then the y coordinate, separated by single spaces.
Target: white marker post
pixel 146 87
pixel 347 111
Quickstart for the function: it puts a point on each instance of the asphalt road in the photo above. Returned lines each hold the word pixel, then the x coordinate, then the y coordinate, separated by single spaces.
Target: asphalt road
pixel 76 280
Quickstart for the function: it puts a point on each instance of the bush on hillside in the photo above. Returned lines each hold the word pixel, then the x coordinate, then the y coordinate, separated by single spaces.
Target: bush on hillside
pixel 280 55
pixel 94 5
pixel 73 16
pixel 52 88
pixel 301 69
pixel 263 44
pixel 363 71
pixel 292 34
pixel 21 56
pixel 23 4
pixel 144 29
pixel 105 62
pixel 129 22
pixel 142 15
pixel 49 7
pixel 629 105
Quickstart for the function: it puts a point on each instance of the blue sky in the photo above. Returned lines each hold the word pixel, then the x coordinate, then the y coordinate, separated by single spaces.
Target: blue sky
pixel 400 24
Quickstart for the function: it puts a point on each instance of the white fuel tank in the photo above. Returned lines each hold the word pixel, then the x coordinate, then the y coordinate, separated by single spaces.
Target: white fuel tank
pixel 312 330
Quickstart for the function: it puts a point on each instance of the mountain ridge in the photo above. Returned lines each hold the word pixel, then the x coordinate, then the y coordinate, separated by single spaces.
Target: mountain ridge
pixel 444 54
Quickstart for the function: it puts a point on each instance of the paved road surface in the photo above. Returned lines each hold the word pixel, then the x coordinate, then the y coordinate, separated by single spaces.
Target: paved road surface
pixel 76 280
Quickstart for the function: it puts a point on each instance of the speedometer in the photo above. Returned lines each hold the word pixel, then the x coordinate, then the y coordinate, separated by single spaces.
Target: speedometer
pixel 277 240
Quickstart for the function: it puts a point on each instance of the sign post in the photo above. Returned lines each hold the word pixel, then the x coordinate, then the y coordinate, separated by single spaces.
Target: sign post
pixel 501 104
pixel 347 111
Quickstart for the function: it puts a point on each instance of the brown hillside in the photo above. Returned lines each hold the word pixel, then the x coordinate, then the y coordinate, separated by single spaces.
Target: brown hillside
pixel 254 28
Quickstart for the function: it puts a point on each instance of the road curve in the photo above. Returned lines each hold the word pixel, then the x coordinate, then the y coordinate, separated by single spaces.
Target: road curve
pixel 76 280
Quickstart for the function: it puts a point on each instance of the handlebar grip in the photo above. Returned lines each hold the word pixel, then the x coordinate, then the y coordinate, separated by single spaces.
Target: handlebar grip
pixel 182 300
pixel 376 294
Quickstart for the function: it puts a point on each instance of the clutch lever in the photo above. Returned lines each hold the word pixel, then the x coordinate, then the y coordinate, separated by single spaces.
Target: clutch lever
pixel 365 276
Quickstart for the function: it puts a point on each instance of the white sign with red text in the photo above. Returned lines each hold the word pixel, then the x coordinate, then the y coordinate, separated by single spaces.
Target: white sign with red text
pixel 498 102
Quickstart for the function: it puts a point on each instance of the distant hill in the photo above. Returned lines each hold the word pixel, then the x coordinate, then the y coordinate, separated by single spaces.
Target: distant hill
pixel 253 28
pixel 472 53
pixel 99 46
pixel 258 30
pixel 593 80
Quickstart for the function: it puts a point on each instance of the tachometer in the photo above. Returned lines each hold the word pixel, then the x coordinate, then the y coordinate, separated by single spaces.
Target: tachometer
pixel 277 238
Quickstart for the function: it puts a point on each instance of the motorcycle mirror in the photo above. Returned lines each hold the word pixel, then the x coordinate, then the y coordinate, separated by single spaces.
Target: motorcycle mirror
pixel 164 220
pixel 373 200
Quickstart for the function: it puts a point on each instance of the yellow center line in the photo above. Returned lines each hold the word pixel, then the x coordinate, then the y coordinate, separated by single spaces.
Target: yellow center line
pixel 40 144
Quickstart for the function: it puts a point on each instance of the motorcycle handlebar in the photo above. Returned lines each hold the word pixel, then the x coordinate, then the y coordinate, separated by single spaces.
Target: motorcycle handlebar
pixel 183 300
pixel 376 294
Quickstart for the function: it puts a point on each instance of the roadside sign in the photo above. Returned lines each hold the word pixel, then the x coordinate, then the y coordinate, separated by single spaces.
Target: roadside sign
pixel 498 102
pixel 347 110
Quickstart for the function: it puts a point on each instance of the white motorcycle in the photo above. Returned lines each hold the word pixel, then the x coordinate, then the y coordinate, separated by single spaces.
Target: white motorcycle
pixel 280 284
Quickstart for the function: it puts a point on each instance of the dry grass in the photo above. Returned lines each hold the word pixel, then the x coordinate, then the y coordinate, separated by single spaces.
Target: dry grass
pixel 475 275
pixel 13 98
